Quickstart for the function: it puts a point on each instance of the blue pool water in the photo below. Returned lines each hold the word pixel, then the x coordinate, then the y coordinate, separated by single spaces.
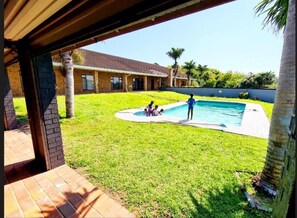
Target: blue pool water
pixel 227 113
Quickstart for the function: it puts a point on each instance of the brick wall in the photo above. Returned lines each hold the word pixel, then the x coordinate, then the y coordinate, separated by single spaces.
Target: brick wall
pixel 263 94
pixel 156 82
pixel 104 85
pixel 13 72
pixel 9 112
pixel 104 82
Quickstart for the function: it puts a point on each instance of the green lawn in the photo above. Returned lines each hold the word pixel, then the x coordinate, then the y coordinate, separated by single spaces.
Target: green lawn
pixel 158 169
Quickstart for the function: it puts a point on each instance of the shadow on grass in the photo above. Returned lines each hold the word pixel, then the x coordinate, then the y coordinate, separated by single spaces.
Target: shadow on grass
pixel 55 194
pixel 60 200
pixel 63 118
pixel 21 119
pixel 226 202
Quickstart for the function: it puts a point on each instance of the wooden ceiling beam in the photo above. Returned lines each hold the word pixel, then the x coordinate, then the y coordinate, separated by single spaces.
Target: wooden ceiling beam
pixel 84 22
pixel 147 15
pixel 131 14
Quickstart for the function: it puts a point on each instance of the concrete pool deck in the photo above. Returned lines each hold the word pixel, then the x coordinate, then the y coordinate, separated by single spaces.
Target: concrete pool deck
pixel 254 121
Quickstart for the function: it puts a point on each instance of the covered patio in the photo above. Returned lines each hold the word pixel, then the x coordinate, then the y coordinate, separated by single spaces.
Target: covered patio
pixel 37 181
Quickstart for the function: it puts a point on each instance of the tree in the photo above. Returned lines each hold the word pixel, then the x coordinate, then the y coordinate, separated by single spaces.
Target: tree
pixel 258 81
pixel 276 14
pixel 67 59
pixel 175 53
pixel 248 81
pixel 235 79
pixel 189 68
pixel 210 77
pixel 284 97
pixel 263 80
pixel 201 75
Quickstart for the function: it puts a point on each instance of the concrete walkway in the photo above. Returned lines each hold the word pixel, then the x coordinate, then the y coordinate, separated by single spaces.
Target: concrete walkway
pixel 60 192
pixel 254 121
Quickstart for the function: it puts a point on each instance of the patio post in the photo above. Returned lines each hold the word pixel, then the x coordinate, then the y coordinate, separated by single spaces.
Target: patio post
pixel 145 83
pixel 96 82
pixel 40 94
pixel 170 78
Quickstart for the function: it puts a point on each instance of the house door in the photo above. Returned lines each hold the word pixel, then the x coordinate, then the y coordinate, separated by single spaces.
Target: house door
pixel 137 84
pixel 152 84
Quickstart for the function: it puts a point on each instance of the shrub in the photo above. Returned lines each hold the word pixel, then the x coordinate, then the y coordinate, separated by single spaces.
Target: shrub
pixel 243 95
pixel 256 98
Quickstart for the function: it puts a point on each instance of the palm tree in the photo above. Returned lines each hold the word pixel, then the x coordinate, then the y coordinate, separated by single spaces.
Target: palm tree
pixel 190 68
pixel 285 95
pixel 175 54
pixel 276 14
pixel 67 59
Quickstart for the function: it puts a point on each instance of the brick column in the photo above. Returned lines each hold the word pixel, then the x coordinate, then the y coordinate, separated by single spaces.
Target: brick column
pixel 9 112
pixel 145 83
pixel 170 78
pixel 40 94
pixel 96 81
pixel 125 83
pixel 49 109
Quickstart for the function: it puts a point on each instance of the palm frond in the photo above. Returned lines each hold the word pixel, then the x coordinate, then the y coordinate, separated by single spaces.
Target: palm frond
pixel 78 57
pixel 276 13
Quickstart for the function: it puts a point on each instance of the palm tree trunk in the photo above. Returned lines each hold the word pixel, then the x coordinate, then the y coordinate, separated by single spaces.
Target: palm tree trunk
pixel 283 108
pixel 69 84
pixel 174 81
pixel 284 203
pixel 175 72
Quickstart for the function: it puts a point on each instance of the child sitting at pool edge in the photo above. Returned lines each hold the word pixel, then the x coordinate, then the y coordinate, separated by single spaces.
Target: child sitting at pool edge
pixel 155 112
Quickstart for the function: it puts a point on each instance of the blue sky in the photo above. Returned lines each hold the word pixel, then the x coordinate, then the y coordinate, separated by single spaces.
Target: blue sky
pixel 226 37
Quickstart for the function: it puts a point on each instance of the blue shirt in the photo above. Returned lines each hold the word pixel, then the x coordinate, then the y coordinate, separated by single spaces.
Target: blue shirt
pixel 191 102
pixel 150 106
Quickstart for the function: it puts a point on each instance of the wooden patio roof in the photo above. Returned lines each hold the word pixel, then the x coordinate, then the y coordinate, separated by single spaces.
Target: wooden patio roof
pixel 57 26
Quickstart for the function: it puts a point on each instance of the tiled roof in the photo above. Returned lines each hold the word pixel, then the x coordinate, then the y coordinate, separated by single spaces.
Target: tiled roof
pixel 110 62
pixel 100 60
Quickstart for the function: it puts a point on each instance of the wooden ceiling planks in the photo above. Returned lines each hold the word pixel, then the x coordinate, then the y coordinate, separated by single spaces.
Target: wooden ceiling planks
pixel 56 26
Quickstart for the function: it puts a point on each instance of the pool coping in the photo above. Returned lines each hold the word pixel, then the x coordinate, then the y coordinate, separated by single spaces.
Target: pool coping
pixel 254 121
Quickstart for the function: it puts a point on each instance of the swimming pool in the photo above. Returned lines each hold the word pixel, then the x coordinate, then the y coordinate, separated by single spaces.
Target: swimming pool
pixel 249 119
pixel 222 113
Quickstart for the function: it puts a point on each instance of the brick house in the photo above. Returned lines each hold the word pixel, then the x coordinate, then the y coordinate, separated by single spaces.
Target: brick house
pixel 103 73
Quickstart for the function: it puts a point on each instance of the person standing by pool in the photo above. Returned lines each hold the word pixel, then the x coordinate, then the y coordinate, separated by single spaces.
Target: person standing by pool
pixel 191 102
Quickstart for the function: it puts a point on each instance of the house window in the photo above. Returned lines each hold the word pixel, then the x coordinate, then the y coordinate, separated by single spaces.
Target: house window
pixel 88 82
pixel 137 84
pixel 116 83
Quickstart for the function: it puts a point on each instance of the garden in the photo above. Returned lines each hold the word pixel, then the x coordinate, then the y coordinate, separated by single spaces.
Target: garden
pixel 159 169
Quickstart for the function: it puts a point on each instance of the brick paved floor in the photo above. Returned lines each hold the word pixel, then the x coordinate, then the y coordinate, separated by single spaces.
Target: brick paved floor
pixel 60 192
